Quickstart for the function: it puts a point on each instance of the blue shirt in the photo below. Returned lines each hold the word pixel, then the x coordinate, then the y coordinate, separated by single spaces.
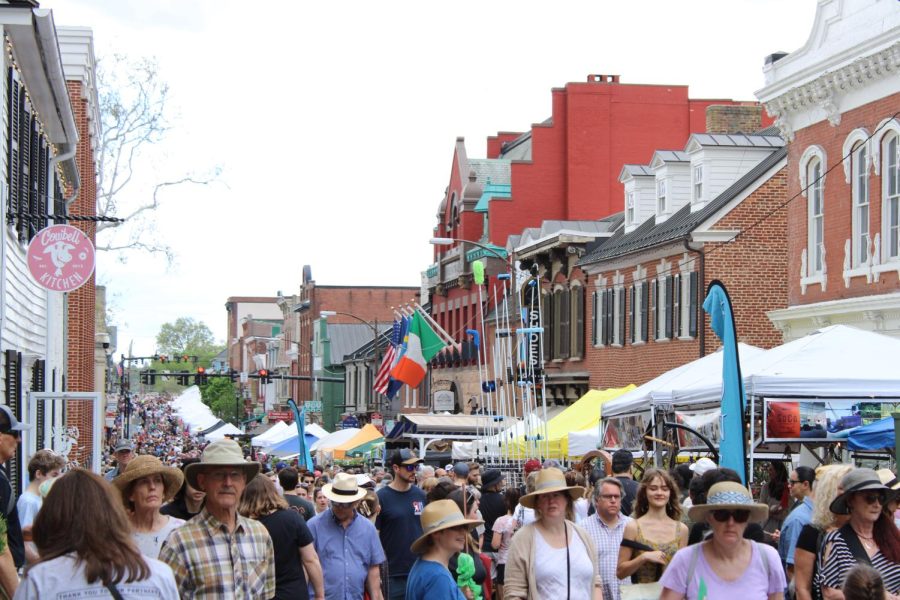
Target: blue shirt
pixel 790 530
pixel 346 554
pixel 399 526
pixel 429 580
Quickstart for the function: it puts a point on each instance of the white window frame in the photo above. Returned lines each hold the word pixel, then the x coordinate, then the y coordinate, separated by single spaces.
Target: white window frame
pixel 637 304
pixel 618 296
pixel 662 205
pixel 600 289
pixel 862 214
pixel 816 223
pixel 890 202
pixel 697 182
pixel 629 207
pixel 662 271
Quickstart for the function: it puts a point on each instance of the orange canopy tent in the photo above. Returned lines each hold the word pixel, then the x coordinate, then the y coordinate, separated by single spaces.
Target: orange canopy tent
pixel 365 435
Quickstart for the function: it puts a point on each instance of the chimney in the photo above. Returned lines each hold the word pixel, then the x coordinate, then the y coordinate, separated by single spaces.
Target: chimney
pixel 595 78
pixel 742 118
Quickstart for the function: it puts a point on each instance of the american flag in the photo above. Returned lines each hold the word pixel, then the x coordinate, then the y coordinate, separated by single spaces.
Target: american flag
pixel 383 377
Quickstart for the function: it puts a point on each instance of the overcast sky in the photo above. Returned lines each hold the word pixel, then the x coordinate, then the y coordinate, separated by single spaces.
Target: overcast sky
pixel 334 123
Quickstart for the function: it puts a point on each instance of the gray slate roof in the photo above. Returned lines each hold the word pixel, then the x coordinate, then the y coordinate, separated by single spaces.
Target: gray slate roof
pixel 347 337
pixel 494 169
pixel 638 170
pixel 738 140
pixel 649 234
pixel 672 156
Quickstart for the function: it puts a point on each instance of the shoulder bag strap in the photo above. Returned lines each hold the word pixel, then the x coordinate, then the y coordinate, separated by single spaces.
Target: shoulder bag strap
pixel 859 553
pixel 115 592
pixel 695 556
pixel 568 566
pixel 762 556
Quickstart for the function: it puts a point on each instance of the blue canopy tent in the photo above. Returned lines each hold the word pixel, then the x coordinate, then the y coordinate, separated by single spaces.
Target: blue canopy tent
pixel 291 445
pixel 874 436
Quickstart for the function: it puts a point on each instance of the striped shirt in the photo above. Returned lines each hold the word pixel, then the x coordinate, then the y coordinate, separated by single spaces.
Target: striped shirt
pixel 208 561
pixel 840 560
pixel 607 541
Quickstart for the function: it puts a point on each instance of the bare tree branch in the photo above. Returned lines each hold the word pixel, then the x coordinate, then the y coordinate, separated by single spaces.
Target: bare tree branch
pixel 133 113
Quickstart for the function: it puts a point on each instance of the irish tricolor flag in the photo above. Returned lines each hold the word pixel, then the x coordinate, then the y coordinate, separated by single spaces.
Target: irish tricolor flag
pixel 422 343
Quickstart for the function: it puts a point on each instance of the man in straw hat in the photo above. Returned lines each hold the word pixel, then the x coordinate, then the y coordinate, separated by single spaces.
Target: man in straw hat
pixel 398 523
pixel 219 553
pixel 725 565
pixel 351 564
pixel 444 531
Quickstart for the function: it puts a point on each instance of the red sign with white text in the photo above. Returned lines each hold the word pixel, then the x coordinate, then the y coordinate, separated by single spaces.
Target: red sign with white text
pixel 61 258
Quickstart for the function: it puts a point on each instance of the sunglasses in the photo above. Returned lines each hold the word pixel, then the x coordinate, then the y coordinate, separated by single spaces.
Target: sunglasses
pixel 873 497
pixel 739 516
pixel 411 468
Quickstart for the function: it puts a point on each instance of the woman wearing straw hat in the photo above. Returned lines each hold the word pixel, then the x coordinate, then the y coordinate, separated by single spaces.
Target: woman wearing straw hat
pixel 869 537
pixel 145 485
pixel 552 558
pixel 444 531
pixel 726 563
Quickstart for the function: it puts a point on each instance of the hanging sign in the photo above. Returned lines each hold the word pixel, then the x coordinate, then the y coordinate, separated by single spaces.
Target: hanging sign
pixel 61 258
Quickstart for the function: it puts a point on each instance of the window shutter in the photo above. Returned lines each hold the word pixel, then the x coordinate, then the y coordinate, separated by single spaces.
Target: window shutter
pixel 13 381
pixel 34 163
pixel 565 330
pixel 692 316
pixel 631 316
pixel 670 297
pixel 624 293
pixel 578 322
pixel 547 324
pixel 676 307
pixel 25 124
pixel 645 312
pixel 43 196
pixel 608 317
pixel 594 318
pixel 12 158
pixel 651 328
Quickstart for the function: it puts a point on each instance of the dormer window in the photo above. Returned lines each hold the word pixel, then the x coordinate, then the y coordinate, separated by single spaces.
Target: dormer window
pixel 698 183
pixel 629 208
pixel 661 197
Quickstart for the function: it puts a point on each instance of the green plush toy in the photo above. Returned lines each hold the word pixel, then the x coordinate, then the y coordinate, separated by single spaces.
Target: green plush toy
pixel 465 570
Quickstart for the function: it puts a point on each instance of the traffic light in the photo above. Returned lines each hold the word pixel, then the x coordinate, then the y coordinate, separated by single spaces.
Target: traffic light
pixel 233 375
pixel 183 379
pixel 200 378
pixel 263 376
pixel 145 378
pixel 151 377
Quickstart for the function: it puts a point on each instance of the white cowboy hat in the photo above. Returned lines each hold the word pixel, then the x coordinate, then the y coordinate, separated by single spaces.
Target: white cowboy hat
pixel 344 490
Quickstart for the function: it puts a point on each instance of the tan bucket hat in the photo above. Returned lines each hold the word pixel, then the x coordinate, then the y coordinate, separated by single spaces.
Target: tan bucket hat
pixel 221 453
pixel 437 516
pixel 548 481
pixel 728 495
pixel 344 490
pixel 144 465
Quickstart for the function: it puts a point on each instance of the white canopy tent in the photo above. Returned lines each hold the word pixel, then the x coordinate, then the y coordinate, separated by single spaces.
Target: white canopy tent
pixel 220 432
pixel 334 439
pixel 705 369
pixel 838 361
pixel 490 445
pixel 265 438
pixel 191 409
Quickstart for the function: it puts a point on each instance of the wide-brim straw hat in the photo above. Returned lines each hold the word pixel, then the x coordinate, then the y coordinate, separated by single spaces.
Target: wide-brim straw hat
pixel 728 495
pixel 221 453
pixel 437 516
pixel 887 477
pixel 344 490
pixel 548 481
pixel 857 480
pixel 145 465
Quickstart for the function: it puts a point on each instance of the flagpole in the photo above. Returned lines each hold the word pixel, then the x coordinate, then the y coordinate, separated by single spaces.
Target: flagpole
pixel 450 341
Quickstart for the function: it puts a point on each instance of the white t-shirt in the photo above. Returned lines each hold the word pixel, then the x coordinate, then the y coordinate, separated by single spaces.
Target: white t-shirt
pixel 28 504
pixel 150 542
pixel 550 569
pixel 62 579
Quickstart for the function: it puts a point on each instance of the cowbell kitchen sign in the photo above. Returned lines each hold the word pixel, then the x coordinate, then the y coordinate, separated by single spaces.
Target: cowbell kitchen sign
pixel 61 258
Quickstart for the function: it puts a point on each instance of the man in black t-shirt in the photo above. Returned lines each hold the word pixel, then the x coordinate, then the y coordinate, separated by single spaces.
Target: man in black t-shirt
pixel 10 436
pixel 398 522
pixel 622 461
pixel 492 505
pixel 289 478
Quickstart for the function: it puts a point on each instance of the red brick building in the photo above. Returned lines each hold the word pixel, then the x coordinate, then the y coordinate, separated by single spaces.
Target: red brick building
pixel 837 100
pixel 709 211
pixel 564 169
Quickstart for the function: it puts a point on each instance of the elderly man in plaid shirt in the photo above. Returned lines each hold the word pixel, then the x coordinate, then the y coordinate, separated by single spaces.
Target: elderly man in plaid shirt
pixel 606 527
pixel 219 553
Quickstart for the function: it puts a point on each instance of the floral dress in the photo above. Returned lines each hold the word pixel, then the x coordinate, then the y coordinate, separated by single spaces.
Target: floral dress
pixel 651 572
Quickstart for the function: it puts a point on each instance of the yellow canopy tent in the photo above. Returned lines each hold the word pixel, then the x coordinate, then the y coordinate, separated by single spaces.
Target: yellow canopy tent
pixel 583 414
pixel 366 434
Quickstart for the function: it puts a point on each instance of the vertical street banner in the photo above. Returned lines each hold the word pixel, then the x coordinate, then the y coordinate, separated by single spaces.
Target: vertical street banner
pixel 300 420
pixel 733 441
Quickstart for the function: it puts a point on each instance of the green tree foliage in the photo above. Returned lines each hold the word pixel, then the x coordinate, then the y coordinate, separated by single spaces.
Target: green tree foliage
pixel 221 397
pixel 186 336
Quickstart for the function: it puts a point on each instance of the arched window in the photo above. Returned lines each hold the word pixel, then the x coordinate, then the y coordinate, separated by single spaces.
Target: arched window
pixel 890 191
pixel 860 193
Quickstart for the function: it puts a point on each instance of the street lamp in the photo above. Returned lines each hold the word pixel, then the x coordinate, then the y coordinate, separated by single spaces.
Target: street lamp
pixel 374 327
pixel 444 241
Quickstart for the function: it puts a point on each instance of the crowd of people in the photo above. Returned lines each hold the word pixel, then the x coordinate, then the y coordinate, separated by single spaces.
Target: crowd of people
pixel 222 523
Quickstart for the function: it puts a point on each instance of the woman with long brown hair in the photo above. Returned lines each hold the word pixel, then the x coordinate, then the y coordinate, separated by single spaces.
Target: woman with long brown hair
pixel 656 523
pixel 291 539
pixel 84 540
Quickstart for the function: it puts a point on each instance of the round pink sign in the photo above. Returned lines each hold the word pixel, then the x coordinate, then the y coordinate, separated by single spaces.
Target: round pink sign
pixel 61 258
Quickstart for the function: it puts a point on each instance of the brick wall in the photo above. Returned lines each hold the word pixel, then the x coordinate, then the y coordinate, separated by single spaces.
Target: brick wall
pixel 733 119
pixel 838 203
pixel 81 304
pixel 752 268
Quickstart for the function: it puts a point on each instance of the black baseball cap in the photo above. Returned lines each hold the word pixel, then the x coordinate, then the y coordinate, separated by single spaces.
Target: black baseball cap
pixel 9 422
pixel 404 456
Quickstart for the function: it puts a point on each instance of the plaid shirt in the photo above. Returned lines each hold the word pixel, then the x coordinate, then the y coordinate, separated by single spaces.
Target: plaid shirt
pixel 210 562
pixel 607 541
